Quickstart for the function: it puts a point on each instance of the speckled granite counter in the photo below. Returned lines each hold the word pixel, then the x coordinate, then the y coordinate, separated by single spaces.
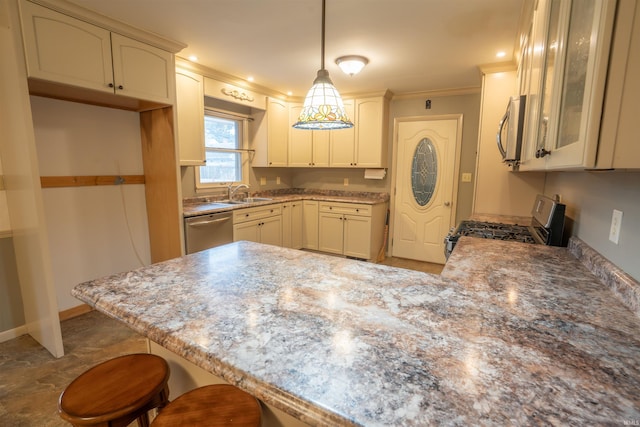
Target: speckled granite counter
pixel 333 341
pixel 206 205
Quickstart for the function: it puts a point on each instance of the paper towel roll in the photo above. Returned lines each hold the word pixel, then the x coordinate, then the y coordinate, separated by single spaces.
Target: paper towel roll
pixel 374 173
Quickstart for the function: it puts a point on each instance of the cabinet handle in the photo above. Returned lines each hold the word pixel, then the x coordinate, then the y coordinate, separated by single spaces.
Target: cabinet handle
pixel 357 210
pixel 110 85
pixel 246 215
pixel 542 152
pixel 120 87
pixel 310 164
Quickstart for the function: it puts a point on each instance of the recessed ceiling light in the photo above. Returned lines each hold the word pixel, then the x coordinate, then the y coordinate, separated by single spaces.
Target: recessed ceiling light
pixel 289 93
pixel 501 54
pixel 193 58
pixel 250 78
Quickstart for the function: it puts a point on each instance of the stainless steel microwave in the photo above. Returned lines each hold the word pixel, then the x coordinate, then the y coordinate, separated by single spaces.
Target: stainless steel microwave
pixel 510 129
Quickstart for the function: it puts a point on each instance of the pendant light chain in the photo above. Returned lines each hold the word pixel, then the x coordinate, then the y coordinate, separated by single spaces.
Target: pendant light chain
pixel 323 107
pixel 322 42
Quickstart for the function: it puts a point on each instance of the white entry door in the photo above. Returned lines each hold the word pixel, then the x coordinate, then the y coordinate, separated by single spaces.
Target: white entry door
pixel 425 177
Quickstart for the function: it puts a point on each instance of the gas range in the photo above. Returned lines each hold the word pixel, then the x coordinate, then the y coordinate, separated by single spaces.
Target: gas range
pixel 547 227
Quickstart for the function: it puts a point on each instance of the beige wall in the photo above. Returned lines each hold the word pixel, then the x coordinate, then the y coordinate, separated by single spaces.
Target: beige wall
pixel 95 230
pixel 498 189
pixel 11 312
pixel 591 198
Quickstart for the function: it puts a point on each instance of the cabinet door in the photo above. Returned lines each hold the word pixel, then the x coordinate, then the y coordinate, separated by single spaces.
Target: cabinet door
pixel 357 236
pixel 141 71
pixel 585 51
pixel 343 141
pixel 321 139
pixel 286 225
pixel 330 233
pixel 310 224
pixel 300 141
pixel 271 231
pixel 370 134
pixel 277 132
pixel 296 225
pixel 190 118
pixel 249 230
pixel 66 50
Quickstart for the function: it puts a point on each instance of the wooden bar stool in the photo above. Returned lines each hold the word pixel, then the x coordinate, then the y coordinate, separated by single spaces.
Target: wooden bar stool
pixel 117 392
pixel 211 406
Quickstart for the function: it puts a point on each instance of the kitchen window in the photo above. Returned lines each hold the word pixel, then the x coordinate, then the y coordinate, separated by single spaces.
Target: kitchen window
pixel 225 142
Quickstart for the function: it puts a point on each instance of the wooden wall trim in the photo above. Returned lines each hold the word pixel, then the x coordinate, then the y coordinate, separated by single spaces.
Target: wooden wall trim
pixel 74 312
pixel 88 180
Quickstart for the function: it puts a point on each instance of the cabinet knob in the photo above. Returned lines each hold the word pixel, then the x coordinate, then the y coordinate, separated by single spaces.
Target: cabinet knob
pixel 110 85
pixel 447 203
pixel 542 152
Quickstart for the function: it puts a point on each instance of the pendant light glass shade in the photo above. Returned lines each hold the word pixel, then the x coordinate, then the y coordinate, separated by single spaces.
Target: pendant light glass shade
pixel 323 107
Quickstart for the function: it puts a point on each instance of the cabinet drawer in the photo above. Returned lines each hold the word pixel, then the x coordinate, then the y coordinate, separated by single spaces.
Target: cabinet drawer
pixel 345 208
pixel 249 214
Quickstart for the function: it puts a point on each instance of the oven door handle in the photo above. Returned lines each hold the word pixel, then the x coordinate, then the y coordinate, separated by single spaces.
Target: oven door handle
pixel 213 221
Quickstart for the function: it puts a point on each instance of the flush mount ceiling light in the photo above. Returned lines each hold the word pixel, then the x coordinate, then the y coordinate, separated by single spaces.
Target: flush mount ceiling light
pixel 323 107
pixel 352 64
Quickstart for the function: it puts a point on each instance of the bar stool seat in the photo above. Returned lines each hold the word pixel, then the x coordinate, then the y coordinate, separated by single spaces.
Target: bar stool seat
pixel 211 406
pixel 117 392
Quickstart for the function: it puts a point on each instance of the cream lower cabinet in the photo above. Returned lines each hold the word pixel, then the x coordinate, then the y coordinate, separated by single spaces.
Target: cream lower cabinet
pixel 63 49
pixel 351 229
pixel 262 224
pixel 310 224
pixel 292 225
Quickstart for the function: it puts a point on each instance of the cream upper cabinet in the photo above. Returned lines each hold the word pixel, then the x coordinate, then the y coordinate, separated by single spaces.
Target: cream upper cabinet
pixel 565 103
pixel 190 117
pixel 307 148
pixel 277 133
pixel 343 141
pixel 618 146
pixel 365 145
pixel 372 115
pixel 66 50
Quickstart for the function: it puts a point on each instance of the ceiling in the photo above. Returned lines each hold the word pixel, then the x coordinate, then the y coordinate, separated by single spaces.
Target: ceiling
pixel 412 45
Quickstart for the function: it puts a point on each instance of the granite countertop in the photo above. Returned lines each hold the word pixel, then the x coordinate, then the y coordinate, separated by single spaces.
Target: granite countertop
pixel 206 205
pixel 510 334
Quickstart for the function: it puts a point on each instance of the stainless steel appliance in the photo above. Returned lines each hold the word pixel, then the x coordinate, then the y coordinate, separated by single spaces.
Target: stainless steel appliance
pixel 207 231
pixel 547 226
pixel 510 129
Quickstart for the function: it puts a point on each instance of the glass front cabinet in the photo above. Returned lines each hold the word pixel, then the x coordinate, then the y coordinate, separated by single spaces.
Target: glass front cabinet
pixel 566 56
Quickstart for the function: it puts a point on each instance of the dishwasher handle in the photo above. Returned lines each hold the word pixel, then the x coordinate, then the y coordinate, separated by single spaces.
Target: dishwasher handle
pixel 212 221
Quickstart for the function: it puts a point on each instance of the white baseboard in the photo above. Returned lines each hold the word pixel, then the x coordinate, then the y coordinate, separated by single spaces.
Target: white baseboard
pixel 13 333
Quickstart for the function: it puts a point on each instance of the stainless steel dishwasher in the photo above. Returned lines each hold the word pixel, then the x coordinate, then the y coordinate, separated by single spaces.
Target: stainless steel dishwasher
pixel 207 231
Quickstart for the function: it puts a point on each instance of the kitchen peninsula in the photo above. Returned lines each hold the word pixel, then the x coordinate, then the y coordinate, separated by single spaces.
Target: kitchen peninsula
pixel 333 341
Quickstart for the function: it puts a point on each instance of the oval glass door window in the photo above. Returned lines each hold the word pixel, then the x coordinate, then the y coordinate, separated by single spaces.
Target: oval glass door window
pixel 424 171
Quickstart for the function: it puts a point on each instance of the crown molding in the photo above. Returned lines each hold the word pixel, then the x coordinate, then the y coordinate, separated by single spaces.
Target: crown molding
pixel 441 92
pixel 87 15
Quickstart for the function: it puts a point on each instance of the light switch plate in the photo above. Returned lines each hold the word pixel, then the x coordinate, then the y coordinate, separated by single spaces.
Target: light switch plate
pixel 263 180
pixel 466 177
pixel 616 224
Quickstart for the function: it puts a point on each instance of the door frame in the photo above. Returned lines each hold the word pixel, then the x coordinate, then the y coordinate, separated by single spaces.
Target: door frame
pixel 394 175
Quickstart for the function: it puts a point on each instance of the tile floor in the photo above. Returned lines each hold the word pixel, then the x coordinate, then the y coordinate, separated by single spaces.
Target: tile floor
pixel 31 380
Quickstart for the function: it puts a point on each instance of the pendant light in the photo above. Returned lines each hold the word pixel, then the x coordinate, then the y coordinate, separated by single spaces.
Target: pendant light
pixel 323 107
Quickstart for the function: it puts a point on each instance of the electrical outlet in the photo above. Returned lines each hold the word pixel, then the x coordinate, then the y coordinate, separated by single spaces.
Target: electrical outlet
pixel 616 224
pixel 346 182
pixel 277 180
pixel 466 177
pixel 263 180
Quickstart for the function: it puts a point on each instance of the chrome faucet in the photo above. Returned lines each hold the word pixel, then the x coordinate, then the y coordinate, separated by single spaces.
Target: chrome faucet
pixel 232 190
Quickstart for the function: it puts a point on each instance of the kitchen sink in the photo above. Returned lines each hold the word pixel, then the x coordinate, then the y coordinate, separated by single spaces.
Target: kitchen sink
pixel 248 200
